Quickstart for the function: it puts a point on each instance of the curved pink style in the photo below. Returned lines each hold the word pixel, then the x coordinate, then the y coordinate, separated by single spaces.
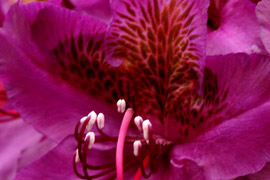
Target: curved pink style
pixel 121 141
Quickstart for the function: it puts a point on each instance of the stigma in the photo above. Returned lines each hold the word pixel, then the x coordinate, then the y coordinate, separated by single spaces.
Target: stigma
pixel 144 146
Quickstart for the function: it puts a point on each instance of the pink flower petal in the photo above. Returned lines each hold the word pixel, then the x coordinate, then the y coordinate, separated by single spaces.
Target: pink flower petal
pixel 15 137
pixel 53 91
pixel 237 147
pixel 263 174
pixel 238 31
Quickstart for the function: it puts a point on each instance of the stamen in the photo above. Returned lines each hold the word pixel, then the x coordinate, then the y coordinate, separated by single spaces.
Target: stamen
pixel 121 105
pixel 136 147
pixel 138 120
pixel 86 143
pixel 91 139
pixel 77 158
pixel 120 143
pixel 150 146
pixel 100 121
pixel 93 117
pixel 83 119
pixel 138 174
pixel 146 130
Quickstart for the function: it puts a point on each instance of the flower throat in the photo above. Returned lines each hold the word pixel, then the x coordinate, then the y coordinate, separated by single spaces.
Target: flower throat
pixel 147 150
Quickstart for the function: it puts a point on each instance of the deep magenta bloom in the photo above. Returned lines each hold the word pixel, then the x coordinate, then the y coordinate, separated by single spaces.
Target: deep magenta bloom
pixel 195 117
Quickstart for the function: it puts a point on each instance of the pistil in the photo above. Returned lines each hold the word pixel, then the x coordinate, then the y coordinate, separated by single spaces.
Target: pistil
pixel 120 143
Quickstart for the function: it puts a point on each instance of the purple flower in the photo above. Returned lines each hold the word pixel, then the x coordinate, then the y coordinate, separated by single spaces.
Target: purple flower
pixel 208 116
pixel 233 27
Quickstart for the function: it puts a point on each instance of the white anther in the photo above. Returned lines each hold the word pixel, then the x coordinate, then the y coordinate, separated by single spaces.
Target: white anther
pixel 91 137
pixel 138 120
pixel 77 157
pixel 100 121
pixel 93 117
pixel 146 129
pixel 83 119
pixel 121 105
pixel 136 147
pixel 118 104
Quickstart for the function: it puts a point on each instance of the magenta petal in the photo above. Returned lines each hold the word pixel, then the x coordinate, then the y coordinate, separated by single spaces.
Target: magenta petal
pixel 175 170
pixel 242 79
pixel 55 165
pixel 237 147
pixel 58 163
pixel 32 71
pixel 100 9
pixel 141 29
pixel 238 31
pixel 32 153
pixel 263 15
pixel 263 174
pixel 185 170
pixel 164 41
pixel 15 136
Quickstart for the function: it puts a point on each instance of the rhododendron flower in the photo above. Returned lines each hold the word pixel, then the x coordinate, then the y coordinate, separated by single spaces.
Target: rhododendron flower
pixel 159 108
pixel 233 27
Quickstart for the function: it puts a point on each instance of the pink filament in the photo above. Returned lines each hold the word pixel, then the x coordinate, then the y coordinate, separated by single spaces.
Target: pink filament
pixel 120 143
pixel 138 174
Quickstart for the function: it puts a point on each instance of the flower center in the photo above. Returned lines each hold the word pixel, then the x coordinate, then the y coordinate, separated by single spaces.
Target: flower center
pixel 148 149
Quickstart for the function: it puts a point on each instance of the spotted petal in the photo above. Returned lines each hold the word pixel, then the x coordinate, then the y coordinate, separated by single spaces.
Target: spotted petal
pixel 233 84
pixel 235 148
pixel 235 115
pixel 161 46
pixel 54 67
pixel 242 81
